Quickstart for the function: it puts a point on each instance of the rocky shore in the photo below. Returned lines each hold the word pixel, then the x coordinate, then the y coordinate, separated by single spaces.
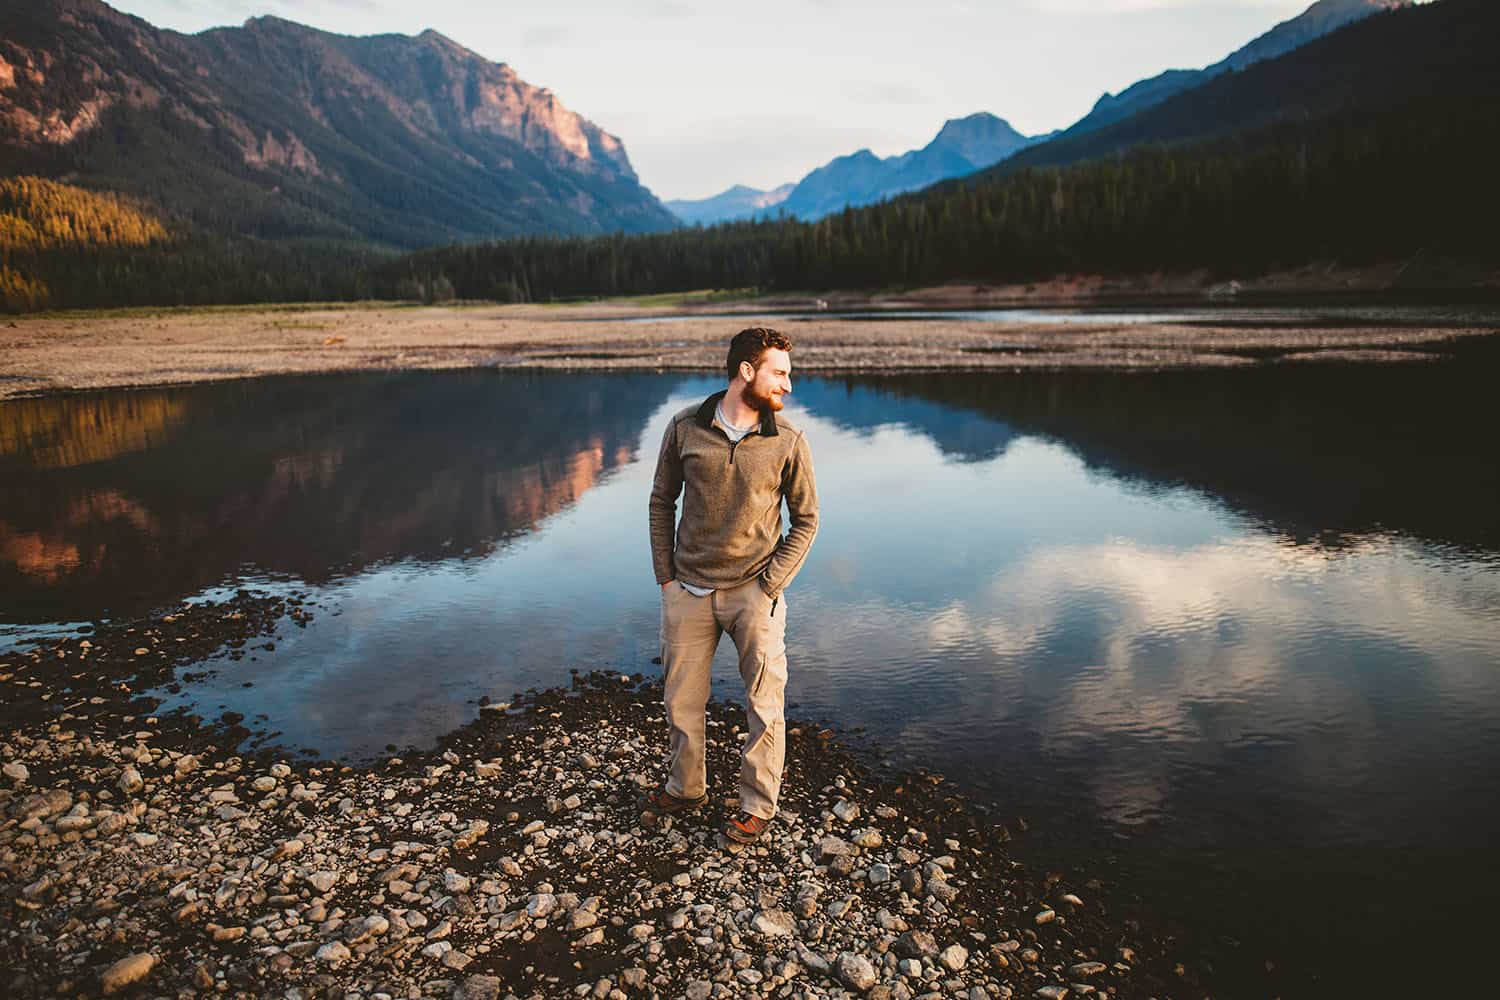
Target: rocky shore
pixel 155 856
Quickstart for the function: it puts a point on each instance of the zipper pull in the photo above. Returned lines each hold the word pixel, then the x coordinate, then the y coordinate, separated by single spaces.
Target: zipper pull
pixel 774 602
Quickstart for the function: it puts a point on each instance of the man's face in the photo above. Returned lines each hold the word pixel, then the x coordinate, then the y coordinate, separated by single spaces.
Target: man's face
pixel 772 379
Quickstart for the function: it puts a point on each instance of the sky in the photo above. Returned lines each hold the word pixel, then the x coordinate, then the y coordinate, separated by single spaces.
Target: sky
pixel 708 95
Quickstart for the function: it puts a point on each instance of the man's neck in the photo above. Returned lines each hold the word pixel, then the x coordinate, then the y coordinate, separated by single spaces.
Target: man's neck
pixel 735 409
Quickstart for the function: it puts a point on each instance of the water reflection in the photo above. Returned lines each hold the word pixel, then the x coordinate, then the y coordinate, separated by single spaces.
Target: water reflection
pixel 1255 613
pixel 118 503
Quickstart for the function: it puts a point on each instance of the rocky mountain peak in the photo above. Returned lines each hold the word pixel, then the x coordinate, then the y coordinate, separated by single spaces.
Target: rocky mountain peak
pixel 349 111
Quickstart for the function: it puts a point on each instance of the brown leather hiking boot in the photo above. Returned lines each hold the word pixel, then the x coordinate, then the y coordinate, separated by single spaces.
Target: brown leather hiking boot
pixel 745 828
pixel 663 801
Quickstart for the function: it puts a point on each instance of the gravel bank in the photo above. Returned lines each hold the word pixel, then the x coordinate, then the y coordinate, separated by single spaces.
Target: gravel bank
pixel 139 855
pixel 63 352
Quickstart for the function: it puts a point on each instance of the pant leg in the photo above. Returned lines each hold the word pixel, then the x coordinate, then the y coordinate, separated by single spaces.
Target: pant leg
pixel 758 628
pixel 689 636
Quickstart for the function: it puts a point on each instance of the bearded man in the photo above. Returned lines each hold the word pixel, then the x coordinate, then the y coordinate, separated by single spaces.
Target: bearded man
pixel 725 568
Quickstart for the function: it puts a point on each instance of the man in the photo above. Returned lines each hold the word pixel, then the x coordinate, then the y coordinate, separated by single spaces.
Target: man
pixel 734 459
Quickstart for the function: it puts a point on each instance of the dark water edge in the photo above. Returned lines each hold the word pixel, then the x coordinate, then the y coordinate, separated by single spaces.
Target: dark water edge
pixel 383 471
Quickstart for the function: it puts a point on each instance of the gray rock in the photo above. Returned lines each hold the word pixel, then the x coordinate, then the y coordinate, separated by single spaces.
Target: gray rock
pixel 846 811
pixel 879 874
pixel 540 904
pixel 478 988
pixel 954 957
pixel 44 804
pixel 812 960
pixel 1052 992
pixel 130 780
pixel 831 847
pixel 940 890
pixel 323 881
pixel 916 944
pixel 333 953
pixel 774 923
pixel 699 989
pixel 855 971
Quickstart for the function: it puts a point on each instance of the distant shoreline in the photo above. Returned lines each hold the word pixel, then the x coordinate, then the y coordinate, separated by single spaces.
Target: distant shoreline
pixel 71 351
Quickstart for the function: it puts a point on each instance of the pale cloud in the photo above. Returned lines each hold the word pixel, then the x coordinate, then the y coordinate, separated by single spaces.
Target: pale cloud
pixel 1226 624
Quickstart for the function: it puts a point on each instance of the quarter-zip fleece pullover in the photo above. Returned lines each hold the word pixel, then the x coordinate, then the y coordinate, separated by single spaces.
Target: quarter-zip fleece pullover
pixel 731 502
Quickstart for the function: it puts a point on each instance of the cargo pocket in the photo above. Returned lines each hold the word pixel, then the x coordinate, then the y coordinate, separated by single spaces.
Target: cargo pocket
pixel 760 675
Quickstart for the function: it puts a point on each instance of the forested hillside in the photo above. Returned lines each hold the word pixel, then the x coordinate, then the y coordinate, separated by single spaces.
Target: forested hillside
pixel 278 131
pixel 1373 144
pixel 1357 188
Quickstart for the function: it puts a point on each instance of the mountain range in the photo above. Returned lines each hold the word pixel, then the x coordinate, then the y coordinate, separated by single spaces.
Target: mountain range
pixel 967 145
pixel 962 146
pixel 277 130
pixel 1316 21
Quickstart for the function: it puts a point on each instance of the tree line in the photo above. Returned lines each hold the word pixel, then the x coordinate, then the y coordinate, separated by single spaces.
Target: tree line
pixel 1356 187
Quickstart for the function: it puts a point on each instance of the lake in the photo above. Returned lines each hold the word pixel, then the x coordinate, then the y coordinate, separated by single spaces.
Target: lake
pixel 1228 640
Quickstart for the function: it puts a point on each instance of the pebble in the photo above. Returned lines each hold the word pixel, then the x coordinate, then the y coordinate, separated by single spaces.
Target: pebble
pixel 333 953
pixel 855 971
pixel 323 881
pixel 127 972
pixel 1046 917
pixel 774 923
pixel 916 944
pixel 360 883
pixel 478 988
pixel 954 957
pixel 16 772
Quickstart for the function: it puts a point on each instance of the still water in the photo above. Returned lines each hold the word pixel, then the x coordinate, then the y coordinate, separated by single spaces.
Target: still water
pixel 1231 638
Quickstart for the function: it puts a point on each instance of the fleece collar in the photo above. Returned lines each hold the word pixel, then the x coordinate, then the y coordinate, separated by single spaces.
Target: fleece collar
pixel 705 415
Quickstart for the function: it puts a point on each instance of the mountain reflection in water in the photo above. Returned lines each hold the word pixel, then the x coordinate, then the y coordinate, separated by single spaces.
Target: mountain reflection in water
pixel 1249 618
pixel 115 504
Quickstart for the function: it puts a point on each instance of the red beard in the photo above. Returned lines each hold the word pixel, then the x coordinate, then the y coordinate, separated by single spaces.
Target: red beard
pixel 761 404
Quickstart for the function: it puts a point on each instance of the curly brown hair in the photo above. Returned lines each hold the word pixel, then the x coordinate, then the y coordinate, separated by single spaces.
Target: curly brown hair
pixel 749 345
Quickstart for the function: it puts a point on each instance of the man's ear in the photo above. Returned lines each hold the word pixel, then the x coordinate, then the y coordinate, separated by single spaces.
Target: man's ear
pixel 747 371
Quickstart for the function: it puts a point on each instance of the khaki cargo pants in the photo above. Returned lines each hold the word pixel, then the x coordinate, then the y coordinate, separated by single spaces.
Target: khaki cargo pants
pixel 690 630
